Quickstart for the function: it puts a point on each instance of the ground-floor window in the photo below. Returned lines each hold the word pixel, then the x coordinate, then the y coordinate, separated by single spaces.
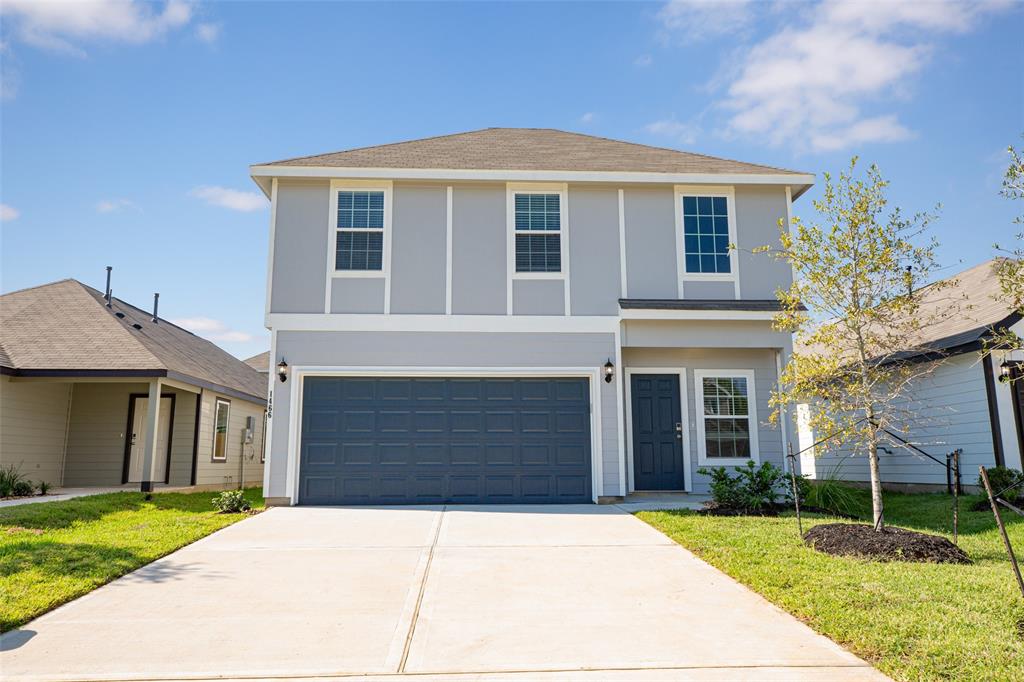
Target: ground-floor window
pixel 727 423
pixel 221 415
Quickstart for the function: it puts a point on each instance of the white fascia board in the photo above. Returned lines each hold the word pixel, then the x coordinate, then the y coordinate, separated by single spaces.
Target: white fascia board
pixel 576 324
pixel 259 173
pixel 640 314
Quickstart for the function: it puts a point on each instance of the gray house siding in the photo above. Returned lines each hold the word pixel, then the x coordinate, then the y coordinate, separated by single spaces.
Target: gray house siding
pixel 357 295
pixel 418 252
pixel 33 428
pixel 439 350
pixel 761 361
pixel 594 273
pixel 952 412
pixel 300 247
pixel 478 250
pixel 538 297
pixel 650 243
pixel 758 211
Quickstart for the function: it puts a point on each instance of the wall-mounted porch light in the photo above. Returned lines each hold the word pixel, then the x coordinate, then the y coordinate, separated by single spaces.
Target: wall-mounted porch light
pixel 609 371
pixel 1005 372
pixel 282 370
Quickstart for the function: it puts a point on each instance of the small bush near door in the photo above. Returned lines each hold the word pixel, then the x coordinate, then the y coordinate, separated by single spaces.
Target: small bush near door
pixel 753 490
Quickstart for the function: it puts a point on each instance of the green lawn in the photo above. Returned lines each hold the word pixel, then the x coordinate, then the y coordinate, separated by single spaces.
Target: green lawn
pixel 912 621
pixel 51 553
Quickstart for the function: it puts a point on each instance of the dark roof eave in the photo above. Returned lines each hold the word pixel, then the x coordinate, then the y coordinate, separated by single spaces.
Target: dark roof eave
pixel 131 374
pixel 752 305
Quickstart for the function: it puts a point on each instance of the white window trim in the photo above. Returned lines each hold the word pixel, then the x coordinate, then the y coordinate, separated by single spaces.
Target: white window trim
pixel 511 189
pixel 684 412
pixel 227 430
pixel 299 373
pixel 385 186
pixel 698 384
pixel 682 276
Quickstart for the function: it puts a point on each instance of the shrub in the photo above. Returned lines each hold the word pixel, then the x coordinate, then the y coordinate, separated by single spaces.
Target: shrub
pixel 833 496
pixel 43 487
pixel 10 477
pixel 1004 479
pixel 231 502
pixel 24 488
pixel 754 488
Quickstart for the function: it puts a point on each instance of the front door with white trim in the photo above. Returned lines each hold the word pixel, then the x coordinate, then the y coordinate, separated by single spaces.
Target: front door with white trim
pixel 137 438
pixel 658 453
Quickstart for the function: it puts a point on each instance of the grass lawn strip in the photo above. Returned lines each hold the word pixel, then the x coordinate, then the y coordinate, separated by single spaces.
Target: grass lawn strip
pixel 913 621
pixel 53 552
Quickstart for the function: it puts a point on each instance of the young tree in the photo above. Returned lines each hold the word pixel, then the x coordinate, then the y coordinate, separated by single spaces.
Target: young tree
pixel 855 310
pixel 1010 269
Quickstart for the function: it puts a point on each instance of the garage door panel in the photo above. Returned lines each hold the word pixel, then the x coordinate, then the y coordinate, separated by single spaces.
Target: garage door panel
pixel 369 440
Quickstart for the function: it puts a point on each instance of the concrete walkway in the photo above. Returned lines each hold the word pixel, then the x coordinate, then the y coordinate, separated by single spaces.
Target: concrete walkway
pixel 481 593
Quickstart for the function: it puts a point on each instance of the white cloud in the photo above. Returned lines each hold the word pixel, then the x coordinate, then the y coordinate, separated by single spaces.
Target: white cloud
pixel 59 26
pixel 214 330
pixel 588 117
pixel 8 213
pixel 114 205
pixel 696 20
pixel 643 60
pixel 10 76
pixel 208 33
pixel 685 133
pixel 235 199
pixel 806 85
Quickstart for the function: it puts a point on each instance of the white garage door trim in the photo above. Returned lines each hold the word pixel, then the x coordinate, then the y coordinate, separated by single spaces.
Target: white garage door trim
pixel 300 372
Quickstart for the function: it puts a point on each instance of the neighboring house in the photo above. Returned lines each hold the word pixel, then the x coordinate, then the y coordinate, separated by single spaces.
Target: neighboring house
pixel 260 363
pixel 519 315
pixel 78 378
pixel 966 403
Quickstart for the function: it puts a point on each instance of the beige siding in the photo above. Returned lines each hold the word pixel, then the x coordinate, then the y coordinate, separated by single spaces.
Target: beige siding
pixel 226 473
pixel 96 441
pixel 33 425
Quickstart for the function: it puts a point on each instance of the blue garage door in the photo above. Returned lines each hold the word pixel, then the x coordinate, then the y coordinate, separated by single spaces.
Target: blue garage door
pixel 370 440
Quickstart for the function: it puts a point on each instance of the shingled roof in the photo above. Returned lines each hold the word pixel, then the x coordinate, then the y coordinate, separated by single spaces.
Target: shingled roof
pixel 260 362
pixel 529 149
pixel 65 329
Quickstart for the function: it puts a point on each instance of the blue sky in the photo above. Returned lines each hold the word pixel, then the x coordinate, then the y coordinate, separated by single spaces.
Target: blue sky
pixel 127 129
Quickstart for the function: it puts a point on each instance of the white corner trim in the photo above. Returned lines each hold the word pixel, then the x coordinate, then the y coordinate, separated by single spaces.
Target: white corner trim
pixel 620 177
pixel 300 372
pixel 337 185
pixel 449 194
pixel 729 192
pixel 783 412
pixel 270 246
pixel 698 386
pixel 620 416
pixel 684 411
pixel 268 432
pixel 623 280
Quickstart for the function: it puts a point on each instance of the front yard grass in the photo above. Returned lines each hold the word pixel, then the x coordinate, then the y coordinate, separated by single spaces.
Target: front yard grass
pixel 912 621
pixel 53 552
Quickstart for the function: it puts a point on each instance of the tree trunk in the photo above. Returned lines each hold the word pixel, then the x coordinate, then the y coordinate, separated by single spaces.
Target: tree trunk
pixel 876 489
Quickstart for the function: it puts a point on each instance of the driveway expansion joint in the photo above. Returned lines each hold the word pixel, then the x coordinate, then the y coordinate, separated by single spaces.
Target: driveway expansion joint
pixel 423 589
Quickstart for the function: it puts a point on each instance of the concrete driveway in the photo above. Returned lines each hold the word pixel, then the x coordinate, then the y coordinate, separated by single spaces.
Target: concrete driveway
pixel 489 593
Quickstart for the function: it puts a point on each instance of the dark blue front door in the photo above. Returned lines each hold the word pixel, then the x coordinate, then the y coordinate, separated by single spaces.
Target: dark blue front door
pixel 375 440
pixel 657 433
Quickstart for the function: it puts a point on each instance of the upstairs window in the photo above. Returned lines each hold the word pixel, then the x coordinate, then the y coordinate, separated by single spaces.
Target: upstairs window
pixel 538 232
pixel 360 225
pixel 706 234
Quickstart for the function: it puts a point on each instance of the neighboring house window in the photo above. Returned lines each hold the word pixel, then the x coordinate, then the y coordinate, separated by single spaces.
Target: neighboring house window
pixel 222 413
pixel 706 234
pixel 538 232
pixel 360 224
pixel 728 423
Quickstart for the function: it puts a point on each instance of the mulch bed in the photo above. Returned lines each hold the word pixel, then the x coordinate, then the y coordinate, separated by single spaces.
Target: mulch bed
pixel 892 544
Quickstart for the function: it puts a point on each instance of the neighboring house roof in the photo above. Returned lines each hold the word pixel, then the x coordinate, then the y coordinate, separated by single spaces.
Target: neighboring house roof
pixel 260 362
pixel 963 313
pixel 529 149
pixel 65 329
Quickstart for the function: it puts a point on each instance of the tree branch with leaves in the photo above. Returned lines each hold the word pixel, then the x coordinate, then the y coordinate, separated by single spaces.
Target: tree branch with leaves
pixel 855 310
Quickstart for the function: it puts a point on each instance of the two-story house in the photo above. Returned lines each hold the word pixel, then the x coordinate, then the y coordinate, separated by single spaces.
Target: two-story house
pixel 519 315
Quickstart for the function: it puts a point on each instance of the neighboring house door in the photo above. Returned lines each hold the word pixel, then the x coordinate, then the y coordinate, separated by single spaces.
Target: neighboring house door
pixel 413 440
pixel 137 439
pixel 657 432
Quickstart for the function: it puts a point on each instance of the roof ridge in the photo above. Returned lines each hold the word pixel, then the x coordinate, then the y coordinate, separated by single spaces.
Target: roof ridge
pixel 40 286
